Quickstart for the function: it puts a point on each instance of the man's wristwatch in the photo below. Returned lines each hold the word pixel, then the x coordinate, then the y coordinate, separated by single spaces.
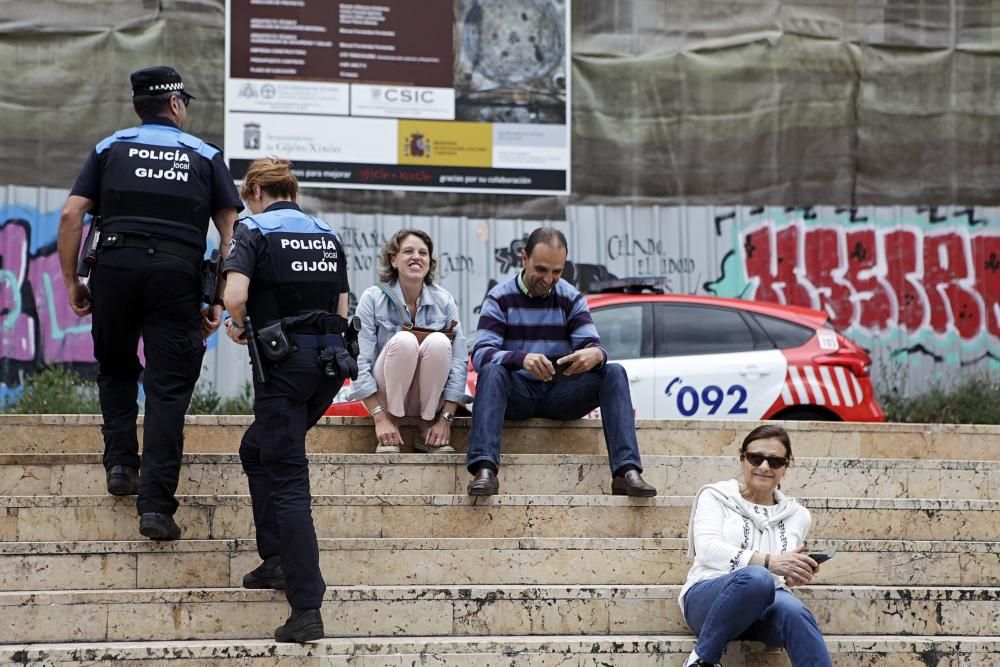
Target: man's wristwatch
pixel 448 416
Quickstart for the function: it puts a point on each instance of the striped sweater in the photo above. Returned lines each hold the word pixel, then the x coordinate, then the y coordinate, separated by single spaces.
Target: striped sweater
pixel 512 324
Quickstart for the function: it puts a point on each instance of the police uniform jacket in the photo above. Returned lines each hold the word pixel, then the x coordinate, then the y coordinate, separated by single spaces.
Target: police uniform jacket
pixel 155 180
pixel 295 263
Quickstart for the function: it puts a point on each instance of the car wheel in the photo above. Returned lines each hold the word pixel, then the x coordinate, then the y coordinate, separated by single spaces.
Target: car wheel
pixel 807 414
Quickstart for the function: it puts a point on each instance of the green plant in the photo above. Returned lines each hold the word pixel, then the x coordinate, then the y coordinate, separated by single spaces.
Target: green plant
pixel 972 400
pixel 56 390
pixel 207 401
pixel 239 405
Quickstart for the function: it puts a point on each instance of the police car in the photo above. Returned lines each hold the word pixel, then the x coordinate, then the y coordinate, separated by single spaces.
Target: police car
pixel 701 357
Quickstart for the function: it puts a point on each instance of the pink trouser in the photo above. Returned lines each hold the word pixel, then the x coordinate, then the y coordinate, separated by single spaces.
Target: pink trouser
pixel 411 377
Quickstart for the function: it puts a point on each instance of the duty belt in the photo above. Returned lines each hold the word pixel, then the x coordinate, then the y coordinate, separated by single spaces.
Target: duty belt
pixel 317 341
pixel 151 245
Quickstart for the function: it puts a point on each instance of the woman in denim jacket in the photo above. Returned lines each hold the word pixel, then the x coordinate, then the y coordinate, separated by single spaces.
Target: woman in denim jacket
pixel 399 376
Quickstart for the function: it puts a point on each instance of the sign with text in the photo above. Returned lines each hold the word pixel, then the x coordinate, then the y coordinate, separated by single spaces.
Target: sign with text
pixel 451 95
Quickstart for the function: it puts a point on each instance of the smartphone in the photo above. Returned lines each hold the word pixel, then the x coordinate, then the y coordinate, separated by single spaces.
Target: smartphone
pixel 824 555
pixel 560 368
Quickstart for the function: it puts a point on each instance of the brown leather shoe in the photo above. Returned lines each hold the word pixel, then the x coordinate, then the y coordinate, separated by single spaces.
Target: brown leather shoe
pixel 485 483
pixel 631 484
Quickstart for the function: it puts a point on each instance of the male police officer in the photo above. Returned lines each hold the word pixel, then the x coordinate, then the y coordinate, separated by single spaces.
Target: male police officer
pixel 154 188
pixel 287 271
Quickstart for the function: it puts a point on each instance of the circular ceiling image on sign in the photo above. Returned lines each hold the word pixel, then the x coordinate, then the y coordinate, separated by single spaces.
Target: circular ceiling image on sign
pixel 512 41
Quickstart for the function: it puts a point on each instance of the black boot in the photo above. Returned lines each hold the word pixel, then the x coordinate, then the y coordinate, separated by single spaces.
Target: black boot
pixel 157 526
pixel 267 575
pixel 123 481
pixel 303 625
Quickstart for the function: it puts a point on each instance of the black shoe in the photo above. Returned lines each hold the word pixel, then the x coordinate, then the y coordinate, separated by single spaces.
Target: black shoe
pixel 485 483
pixel 158 526
pixel 123 481
pixel 267 575
pixel 631 484
pixel 303 625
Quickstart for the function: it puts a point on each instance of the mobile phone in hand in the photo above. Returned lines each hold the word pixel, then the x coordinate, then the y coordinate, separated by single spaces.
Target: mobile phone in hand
pixel 560 373
pixel 824 555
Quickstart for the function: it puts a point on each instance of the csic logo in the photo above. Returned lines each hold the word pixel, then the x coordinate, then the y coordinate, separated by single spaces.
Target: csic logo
pixel 251 136
pixel 409 96
pixel 417 145
pixel 268 91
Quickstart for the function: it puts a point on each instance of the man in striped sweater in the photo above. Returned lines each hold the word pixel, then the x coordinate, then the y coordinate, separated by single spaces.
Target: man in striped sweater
pixel 538 354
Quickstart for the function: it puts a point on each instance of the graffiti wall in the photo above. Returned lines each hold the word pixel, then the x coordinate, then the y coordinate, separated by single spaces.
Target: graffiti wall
pixel 918 287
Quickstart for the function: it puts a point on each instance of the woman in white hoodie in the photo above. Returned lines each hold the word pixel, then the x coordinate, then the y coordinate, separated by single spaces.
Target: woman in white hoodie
pixel 747 540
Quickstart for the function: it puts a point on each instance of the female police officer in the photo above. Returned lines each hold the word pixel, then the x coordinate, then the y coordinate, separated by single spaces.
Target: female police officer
pixel 286 270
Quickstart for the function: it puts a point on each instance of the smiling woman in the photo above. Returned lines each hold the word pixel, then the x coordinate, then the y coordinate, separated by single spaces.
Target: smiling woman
pixel 748 544
pixel 413 354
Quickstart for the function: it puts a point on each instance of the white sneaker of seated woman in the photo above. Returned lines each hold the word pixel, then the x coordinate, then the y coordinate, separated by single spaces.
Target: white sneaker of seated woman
pixel 387 449
pixel 694 661
pixel 421 445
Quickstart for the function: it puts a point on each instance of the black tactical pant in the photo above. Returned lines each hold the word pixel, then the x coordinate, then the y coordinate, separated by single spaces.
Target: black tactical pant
pixel 155 296
pixel 273 453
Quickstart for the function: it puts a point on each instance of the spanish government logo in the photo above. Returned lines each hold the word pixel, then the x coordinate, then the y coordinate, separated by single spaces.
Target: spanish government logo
pixel 417 145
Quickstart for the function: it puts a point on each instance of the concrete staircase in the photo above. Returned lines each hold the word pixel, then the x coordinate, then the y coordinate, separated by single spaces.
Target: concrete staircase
pixel 552 572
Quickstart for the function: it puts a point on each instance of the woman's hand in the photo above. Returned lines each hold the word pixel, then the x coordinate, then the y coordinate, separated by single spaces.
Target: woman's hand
pixel 386 430
pixel 439 434
pixel 796 567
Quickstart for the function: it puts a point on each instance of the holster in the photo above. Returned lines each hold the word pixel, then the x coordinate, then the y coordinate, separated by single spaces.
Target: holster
pixel 274 343
pixel 210 277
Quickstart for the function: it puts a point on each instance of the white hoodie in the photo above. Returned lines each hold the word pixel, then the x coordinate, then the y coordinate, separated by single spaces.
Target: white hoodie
pixel 725 530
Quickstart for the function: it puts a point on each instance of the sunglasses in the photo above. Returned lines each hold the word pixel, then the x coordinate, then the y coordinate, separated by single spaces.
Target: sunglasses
pixel 183 98
pixel 773 462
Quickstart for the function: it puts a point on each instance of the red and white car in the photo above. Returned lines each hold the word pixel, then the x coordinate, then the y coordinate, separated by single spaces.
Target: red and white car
pixel 700 357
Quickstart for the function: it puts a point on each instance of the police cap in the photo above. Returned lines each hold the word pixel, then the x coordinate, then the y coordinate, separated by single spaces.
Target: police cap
pixel 157 80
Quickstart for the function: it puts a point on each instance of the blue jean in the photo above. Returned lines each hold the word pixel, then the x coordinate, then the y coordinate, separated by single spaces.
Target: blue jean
pixel 505 394
pixel 746 605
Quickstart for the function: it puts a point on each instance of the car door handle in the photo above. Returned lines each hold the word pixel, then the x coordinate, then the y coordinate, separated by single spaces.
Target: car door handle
pixel 754 371
pixel 633 379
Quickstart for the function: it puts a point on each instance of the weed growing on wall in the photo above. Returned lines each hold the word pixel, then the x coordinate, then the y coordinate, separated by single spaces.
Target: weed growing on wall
pixel 207 401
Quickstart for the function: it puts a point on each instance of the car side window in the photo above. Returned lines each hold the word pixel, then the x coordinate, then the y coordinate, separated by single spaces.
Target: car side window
pixel 690 329
pixel 625 331
pixel 784 334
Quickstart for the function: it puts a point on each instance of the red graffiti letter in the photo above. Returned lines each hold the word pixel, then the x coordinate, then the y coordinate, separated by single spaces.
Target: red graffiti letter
pixel 901 264
pixel 946 266
pixel 823 260
pixel 870 292
pixel 986 262
pixel 782 286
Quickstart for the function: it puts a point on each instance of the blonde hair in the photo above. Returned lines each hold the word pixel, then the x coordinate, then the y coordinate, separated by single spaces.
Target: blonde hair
pixel 274 177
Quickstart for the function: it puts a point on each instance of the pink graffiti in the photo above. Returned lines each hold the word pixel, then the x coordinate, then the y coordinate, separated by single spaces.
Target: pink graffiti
pixel 878 280
pixel 17 330
pixel 34 304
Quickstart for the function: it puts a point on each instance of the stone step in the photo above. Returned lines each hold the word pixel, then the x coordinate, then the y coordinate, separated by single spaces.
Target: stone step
pixel 81 433
pixel 359 611
pixel 28 566
pixel 647 650
pixel 522 474
pixel 55 518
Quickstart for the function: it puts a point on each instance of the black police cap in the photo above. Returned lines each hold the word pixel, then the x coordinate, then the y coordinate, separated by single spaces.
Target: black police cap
pixel 156 81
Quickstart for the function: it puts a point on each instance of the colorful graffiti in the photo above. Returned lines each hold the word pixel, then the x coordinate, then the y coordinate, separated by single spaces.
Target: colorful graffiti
pixel 899 281
pixel 920 281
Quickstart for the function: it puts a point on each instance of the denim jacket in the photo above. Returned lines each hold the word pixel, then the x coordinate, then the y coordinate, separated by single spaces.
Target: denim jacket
pixel 380 321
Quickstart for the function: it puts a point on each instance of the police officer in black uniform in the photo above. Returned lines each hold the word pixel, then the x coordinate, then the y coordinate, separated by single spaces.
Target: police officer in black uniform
pixel 154 188
pixel 287 271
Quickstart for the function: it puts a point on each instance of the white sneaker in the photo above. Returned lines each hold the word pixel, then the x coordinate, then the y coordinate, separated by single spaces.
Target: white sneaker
pixel 387 449
pixel 694 661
